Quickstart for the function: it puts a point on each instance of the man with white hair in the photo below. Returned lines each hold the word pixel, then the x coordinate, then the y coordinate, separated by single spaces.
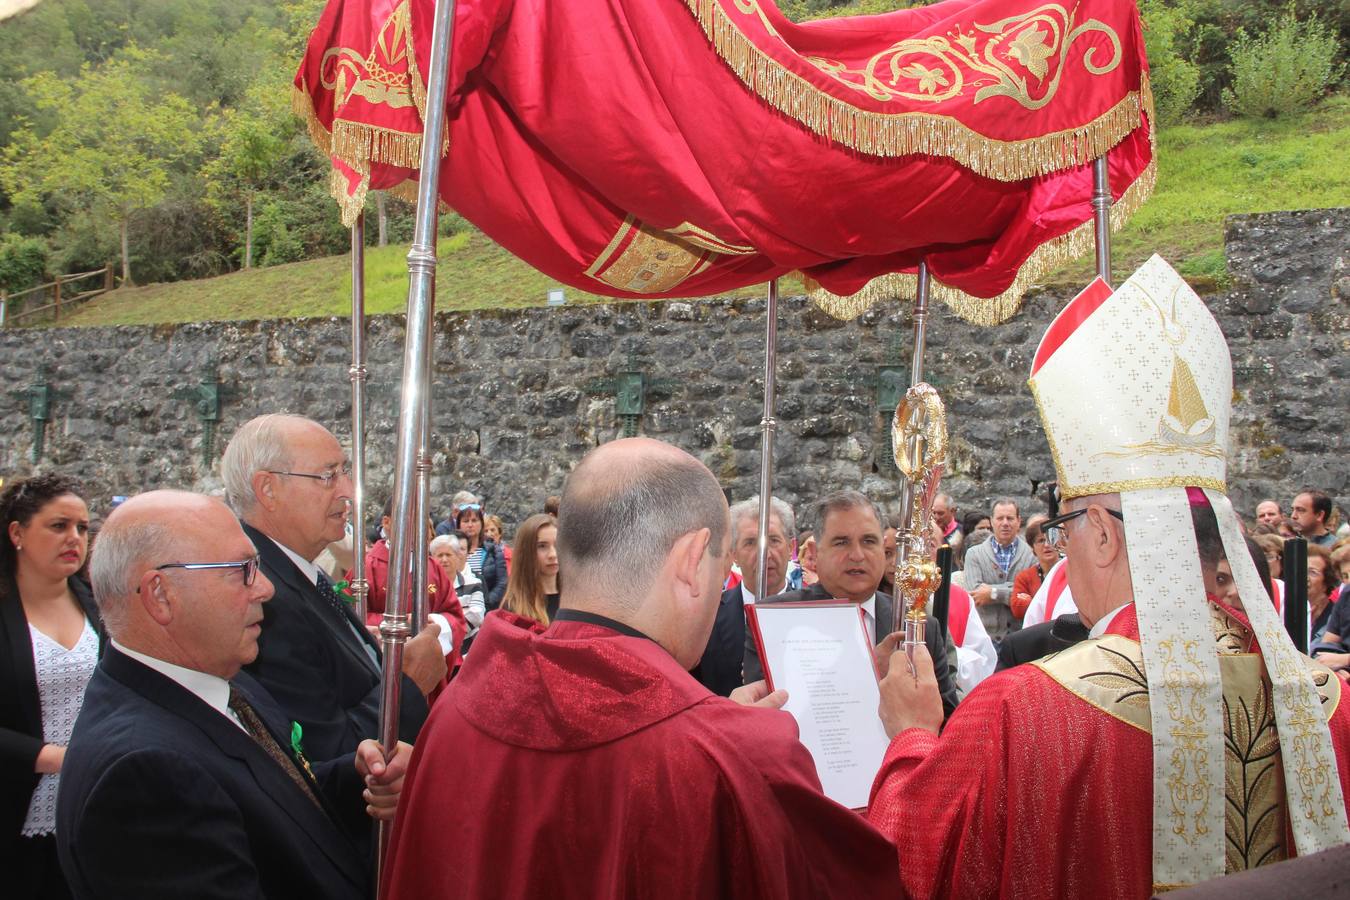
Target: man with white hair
pixel 288 480
pixel 1186 737
pixel 183 778
pixel 720 668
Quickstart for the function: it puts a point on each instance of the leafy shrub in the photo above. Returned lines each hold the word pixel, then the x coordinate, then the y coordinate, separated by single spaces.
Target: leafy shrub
pixel 274 238
pixel 1285 70
pixel 23 261
pixel 1176 80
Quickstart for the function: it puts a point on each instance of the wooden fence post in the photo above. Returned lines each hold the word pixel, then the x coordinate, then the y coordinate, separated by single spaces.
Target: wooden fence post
pixel 56 291
pixel 108 277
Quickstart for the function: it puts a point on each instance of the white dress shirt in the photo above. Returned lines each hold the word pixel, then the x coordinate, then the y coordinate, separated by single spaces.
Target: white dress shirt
pixel 1105 621
pixel 869 609
pixel 210 689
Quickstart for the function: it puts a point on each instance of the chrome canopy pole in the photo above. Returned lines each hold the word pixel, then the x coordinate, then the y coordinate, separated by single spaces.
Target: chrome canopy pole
pixel 419 599
pixel 360 588
pixel 1101 216
pixel 767 427
pixel 905 538
pixel 394 629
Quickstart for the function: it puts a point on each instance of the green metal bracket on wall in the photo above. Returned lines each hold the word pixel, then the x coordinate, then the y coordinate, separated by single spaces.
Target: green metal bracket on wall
pixel 39 395
pixel 206 397
pixel 629 387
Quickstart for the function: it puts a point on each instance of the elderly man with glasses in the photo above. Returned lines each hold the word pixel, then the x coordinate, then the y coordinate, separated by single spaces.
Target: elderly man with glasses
pixel 287 479
pixel 183 778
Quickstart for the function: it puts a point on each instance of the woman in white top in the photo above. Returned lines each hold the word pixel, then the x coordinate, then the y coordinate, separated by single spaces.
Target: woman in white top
pixel 50 637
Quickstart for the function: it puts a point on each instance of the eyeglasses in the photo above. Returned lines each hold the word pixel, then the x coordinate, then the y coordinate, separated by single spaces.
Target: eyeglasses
pixel 326 479
pixel 476 506
pixel 248 566
pixel 1055 531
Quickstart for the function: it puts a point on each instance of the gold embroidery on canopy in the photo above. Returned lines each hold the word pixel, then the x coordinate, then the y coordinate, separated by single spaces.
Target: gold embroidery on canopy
pixel 643 260
pixel 946 66
pixel 994 59
pixel 699 237
pixel 997 309
pixel 387 75
pixel 380 76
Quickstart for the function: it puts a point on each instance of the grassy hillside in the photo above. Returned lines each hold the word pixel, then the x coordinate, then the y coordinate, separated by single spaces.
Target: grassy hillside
pixel 1205 172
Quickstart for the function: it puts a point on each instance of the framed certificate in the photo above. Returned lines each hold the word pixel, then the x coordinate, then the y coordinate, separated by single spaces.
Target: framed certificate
pixel 821 655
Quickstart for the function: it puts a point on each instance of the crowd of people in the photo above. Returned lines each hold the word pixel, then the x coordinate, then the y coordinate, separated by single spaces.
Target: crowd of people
pixel 194 707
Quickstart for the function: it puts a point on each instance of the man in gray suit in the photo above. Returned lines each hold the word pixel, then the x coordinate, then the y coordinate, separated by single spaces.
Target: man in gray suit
pixel 992 566
pixel 850 558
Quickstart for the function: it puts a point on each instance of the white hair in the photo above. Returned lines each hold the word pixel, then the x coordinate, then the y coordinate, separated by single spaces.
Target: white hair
pixel 258 446
pixel 119 554
pixel 462 498
pixel 445 540
pixel 747 509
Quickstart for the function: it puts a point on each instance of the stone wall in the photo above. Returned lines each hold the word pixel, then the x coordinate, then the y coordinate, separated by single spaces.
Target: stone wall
pixel 521 395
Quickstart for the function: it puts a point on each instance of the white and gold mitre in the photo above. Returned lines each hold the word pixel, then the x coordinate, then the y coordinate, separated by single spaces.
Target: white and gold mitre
pixel 1133 387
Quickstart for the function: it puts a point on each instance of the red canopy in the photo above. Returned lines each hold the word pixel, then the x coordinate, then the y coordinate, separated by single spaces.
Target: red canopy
pixel 653 148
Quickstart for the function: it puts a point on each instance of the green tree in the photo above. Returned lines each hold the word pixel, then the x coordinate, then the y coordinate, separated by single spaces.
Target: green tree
pixel 106 142
pixel 251 149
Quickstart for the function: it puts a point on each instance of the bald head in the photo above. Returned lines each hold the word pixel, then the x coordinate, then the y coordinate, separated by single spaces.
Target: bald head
pixel 148 530
pixel 623 509
pixel 206 617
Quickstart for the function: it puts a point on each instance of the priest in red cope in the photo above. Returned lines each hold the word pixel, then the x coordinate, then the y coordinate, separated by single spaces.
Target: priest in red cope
pixel 599 767
pixel 1186 738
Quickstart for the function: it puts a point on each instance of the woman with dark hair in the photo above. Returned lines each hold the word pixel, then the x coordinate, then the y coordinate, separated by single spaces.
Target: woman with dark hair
pixel 486 559
pixel 50 637
pixel 1028 581
pixel 534 589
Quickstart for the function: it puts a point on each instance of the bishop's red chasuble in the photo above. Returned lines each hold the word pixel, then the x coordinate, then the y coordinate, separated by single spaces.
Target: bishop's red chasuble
pixel 586 763
pixel 660 148
pixel 1041 784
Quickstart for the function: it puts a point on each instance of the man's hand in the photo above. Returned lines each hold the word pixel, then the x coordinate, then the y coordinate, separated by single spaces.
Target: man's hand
pixel 983 595
pixel 1333 660
pixel 907 702
pixel 756 693
pixel 881 653
pixel 423 660
pixel 383 780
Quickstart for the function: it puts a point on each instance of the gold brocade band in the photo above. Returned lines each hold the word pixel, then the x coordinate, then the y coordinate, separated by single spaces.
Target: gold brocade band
pixel 998 309
pixel 902 134
pixel 358 146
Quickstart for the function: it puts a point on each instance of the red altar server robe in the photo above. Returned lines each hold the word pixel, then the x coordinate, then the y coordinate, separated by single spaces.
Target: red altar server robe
pixel 587 763
pixel 1033 791
pixel 441 597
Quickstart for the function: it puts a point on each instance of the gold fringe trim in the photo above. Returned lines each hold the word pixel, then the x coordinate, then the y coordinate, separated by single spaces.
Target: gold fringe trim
pixel 991 310
pixel 357 146
pixel 349 205
pixel 903 134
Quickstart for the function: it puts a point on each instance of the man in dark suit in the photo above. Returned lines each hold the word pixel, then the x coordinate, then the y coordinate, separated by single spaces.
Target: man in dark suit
pixel 849 559
pixel 1040 640
pixel 288 480
pixel 182 778
pixel 720 668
